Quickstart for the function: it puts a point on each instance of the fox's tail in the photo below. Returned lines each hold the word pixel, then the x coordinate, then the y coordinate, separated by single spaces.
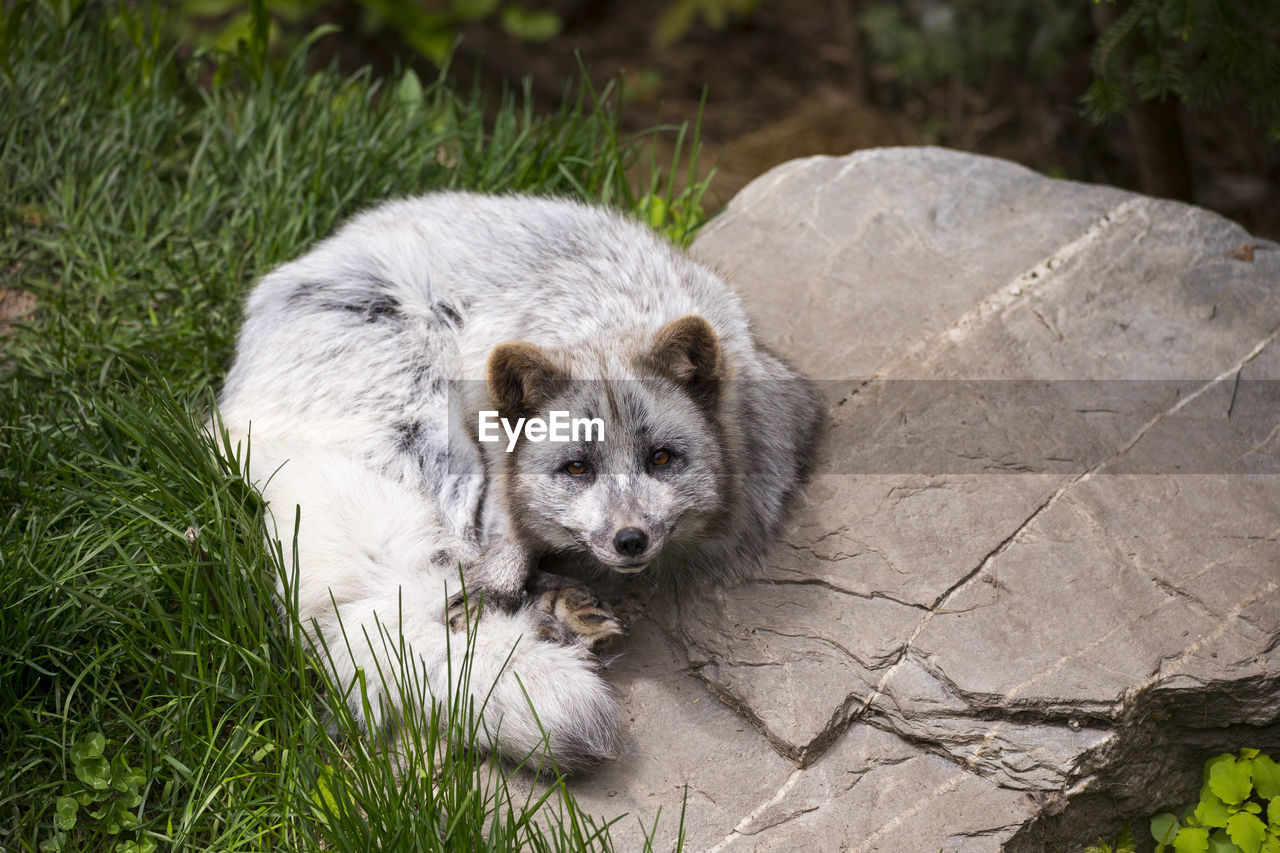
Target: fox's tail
pixel 521 696
pixel 367 589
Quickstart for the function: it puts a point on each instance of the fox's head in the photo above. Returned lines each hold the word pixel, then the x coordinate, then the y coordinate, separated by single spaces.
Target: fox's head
pixel 654 478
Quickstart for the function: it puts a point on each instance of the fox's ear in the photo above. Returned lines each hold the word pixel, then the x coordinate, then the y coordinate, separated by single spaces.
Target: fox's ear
pixel 687 351
pixel 521 377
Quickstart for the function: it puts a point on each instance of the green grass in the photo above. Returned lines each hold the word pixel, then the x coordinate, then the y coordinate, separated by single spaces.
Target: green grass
pixel 140 195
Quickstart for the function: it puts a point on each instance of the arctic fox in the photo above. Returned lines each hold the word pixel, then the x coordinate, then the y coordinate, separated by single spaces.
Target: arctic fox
pixel 364 371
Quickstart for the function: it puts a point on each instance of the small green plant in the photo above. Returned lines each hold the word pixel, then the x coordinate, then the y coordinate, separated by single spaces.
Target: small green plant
pixel 103 800
pixel 1238 812
pixel 1123 843
pixel 673 209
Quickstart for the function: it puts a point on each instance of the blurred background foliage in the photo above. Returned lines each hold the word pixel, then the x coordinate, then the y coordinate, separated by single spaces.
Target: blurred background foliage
pixel 429 28
pixel 1177 98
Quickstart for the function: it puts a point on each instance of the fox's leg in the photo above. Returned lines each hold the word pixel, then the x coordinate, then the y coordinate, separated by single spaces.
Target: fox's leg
pixel 497 579
pixel 503 579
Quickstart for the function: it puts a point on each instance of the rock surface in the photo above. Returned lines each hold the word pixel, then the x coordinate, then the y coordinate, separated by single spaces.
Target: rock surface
pixel 1007 611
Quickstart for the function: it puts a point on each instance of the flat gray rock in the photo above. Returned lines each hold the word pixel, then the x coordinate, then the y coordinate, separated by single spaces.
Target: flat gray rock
pixel 1036 577
pixel 679 739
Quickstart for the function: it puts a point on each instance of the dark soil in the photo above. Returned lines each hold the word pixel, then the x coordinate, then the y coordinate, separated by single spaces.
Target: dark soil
pixel 796 79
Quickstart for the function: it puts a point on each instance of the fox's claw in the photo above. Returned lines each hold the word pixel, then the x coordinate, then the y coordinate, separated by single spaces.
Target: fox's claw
pixel 576 610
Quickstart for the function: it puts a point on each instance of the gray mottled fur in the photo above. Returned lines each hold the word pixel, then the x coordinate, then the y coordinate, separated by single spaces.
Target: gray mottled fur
pixel 353 359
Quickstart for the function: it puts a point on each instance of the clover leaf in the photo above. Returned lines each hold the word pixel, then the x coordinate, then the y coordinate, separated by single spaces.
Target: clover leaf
pixel 65 813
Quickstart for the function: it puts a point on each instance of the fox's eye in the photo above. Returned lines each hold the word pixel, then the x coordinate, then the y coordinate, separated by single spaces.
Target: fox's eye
pixel 576 468
pixel 658 458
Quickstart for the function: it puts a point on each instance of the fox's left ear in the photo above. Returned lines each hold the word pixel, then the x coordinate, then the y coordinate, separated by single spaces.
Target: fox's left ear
pixel 522 377
pixel 688 351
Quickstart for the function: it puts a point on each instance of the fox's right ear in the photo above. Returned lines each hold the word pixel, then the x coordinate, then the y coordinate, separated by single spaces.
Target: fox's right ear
pixel 687 351
pixel 522 377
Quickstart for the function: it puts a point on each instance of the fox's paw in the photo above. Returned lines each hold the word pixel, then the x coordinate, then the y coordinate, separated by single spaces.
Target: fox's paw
pixel 575 611
pixel 465 606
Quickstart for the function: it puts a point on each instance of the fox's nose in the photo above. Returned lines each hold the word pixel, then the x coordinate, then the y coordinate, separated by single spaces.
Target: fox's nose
pixel 630 541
